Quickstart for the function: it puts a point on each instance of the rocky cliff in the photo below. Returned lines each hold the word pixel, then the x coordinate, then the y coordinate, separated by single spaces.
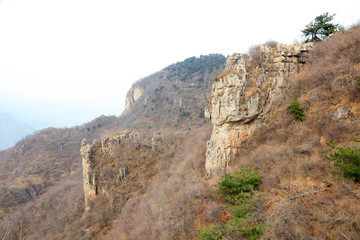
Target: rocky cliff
pixel 95 168
pixel 132 95
pixel 118 165
pixel 153 185
pixel 88 177
pixel 242 96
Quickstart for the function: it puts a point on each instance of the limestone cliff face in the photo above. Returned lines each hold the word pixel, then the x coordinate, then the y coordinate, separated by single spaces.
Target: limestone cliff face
pixel 133 94
pixel 95 158
pixel 243 94
pixel 89 178
pixel 119 165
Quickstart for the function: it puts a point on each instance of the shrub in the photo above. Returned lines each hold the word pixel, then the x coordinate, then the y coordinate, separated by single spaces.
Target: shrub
pixel 347 160
pixel 255 54
pixel 237 188
pixel 295 110
pixel 184 114
pixel 271 43
pixel 202 113
pixel 358 83
pixel 246 220
pixel 212 233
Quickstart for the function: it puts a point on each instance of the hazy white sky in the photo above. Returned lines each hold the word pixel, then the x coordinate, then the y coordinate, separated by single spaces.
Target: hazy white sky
pixel 86 53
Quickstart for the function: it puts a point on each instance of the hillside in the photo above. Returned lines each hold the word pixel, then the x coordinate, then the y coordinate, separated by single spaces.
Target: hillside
pixel 40 161
pixel 38 168
pixel 300 196
pixel 173 98
pixel 152 173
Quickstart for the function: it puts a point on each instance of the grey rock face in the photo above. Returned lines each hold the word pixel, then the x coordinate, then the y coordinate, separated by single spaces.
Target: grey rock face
pixel 340 113
pixel 132 96
pixel 242 95
pixel 91 169
pixel 89 178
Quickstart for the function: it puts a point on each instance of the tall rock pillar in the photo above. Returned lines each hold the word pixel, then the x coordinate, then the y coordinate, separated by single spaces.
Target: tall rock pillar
pixel 89 177
pixel 242 95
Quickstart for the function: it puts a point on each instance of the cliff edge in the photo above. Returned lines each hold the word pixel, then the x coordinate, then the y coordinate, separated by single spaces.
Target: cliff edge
pixel 243 94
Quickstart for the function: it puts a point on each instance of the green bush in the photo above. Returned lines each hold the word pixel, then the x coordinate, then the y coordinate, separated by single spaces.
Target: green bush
pixel 358 83
pixel 202 113
pixel 295 110
pixel 237 188
pixel 246 220
pixel 212 233
pixel 184 114
pixel 347 160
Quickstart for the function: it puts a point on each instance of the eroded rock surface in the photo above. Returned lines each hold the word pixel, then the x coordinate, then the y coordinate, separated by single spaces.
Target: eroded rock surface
pixel 242 95
pixel 118 165
pixel 88 176
pixel 339 113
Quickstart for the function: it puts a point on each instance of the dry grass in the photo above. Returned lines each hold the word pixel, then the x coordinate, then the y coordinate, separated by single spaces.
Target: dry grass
pixel 166 210
pixel 44 162
pixel 333 64
pixel 304 200
pixel 255 55
pixel 166 196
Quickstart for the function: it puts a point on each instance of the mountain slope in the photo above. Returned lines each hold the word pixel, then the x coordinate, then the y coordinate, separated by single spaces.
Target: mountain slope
pixel 301 198
pixel 173 98
pixel 40 165
pixel 145 175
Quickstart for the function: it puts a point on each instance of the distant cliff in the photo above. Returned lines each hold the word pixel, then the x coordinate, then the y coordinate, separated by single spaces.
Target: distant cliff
pixel 132 95
pixel 172 98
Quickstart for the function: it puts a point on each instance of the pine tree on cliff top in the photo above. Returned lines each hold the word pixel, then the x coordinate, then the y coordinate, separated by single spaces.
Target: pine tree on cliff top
pixel 320 28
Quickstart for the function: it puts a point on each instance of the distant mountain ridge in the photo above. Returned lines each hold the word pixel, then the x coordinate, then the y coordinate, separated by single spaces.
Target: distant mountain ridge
pixel 12 130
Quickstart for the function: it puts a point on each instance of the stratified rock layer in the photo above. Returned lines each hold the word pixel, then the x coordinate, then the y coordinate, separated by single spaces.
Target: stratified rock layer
pixel 243 94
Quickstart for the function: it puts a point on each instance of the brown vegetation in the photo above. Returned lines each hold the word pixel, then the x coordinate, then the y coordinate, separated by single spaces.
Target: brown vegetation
pixel 304 199
pixel 167 210
pixel 41 178
pixel 165 194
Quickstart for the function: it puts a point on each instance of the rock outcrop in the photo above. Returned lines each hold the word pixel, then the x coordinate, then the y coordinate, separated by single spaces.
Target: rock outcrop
pixel 108 143
pixel 243 94
pixel 119 165
pixel 94 170
pixel 132 95
pixel 339 113
pixel 89 177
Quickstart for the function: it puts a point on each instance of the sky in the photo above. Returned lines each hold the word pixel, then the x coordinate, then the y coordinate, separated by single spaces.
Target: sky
pixel 67 62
